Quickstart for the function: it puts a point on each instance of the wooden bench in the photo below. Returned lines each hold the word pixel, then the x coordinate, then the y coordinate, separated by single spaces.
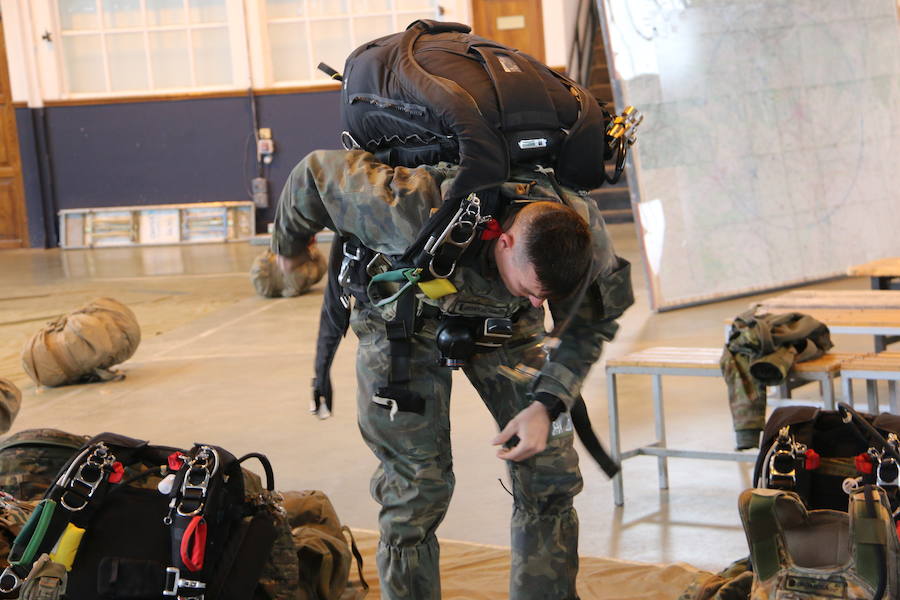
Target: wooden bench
pixel 698 362
pixel 873 368
pixel 867 312
pixel 882 274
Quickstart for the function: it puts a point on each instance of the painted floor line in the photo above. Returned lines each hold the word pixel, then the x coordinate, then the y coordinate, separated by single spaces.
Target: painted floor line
pixel 158 358
pixel 219 327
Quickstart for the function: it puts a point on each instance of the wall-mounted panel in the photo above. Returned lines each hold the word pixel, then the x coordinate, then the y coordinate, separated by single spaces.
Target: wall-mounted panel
pixel 768 156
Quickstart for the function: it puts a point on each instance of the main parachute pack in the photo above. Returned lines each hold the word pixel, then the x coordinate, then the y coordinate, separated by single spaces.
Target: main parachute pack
pixel 436 92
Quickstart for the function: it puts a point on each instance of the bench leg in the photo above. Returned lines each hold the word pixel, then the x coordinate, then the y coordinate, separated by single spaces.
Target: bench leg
pixel 872 395
pixel 659 416
pixel 847 389
pixel 615 449
pixel 827 389
pixel 892 397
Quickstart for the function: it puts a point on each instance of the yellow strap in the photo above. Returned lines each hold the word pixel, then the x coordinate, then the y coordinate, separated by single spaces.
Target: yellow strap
pixel 437 288
pixel 67 546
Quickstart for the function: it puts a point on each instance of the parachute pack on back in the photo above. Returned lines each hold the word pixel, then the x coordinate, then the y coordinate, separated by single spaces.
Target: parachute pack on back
pixel 436 92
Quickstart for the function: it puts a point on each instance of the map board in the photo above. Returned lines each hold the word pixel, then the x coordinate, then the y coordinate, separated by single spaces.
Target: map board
pixel 770 150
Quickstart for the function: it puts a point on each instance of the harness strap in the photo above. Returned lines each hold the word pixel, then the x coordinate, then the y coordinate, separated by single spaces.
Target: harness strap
pixel 764 533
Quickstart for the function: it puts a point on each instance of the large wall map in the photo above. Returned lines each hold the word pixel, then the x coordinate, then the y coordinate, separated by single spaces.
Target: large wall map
pixel 770 151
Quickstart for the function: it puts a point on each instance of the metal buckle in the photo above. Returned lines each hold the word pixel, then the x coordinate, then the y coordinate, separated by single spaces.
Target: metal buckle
pixel 16 580
pixel 205 460
pixel 349 259
pixel 495 331
pixel 459 232
pixel 88 476
pixel 174 581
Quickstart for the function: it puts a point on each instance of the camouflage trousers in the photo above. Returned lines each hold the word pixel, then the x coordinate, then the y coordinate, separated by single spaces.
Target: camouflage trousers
pixel 415 480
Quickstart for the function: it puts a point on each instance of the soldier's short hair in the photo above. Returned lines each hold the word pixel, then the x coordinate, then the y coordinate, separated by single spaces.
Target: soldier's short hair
pixel 558 244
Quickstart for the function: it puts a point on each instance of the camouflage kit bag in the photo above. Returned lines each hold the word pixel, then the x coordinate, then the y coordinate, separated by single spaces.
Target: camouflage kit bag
pixel 325 555
pixel 821 554
pixel 128 519
pixel 30 460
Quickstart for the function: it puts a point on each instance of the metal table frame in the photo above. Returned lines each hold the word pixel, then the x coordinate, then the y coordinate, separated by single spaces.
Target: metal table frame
pixel 659 448
pixel 871 378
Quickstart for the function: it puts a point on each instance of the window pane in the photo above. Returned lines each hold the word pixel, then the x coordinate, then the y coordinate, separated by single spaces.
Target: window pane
pixel 326 8
pixel 284 9
pixel 371 6
pixel 165 12
pixel 208 11
pixel 405 19
pixel 418 5
pixel 83 56
pixel 122 13
pixel 78 14
pixel 127 62
pixel 212 56
pixel 290 59
pixel 330 42
pixel 170 59
pixel 370 28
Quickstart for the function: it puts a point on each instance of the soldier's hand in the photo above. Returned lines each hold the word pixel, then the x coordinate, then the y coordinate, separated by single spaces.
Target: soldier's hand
pixel 532 426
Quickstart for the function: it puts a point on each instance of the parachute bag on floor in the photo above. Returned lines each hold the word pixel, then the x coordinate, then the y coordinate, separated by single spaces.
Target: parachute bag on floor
pixel 821 554
pixel 814 452
pixel 83 345
pixel 325 554
pixel 134 520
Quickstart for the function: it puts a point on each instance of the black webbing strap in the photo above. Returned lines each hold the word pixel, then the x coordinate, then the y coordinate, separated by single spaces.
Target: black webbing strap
pixel 582 424
pixel 399 333
pixel 523 105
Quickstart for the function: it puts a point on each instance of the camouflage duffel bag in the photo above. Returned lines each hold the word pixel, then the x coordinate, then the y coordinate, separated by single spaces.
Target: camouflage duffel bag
pixel 326 549
pixel 30 460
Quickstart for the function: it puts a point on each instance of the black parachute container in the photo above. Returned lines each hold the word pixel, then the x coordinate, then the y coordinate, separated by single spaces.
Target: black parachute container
pixel 436 92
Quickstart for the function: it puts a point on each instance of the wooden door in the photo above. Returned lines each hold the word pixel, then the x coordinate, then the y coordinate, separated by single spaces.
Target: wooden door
pixel 13 229
pixel 515 23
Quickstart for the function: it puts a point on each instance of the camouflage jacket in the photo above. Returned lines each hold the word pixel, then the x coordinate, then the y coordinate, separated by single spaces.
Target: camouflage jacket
pixel 385 207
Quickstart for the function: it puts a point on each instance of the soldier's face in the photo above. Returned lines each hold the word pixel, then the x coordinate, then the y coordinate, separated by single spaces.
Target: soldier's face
pixel 516 272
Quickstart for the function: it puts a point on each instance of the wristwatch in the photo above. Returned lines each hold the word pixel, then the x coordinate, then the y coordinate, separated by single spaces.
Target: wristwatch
pixel 554 405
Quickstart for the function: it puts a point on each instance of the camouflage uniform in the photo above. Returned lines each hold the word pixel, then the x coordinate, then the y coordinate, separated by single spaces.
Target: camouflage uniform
pixel 384 208
pixel 760 351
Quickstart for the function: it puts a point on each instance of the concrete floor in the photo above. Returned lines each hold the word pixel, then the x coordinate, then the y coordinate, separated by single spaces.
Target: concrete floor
pixel 219 364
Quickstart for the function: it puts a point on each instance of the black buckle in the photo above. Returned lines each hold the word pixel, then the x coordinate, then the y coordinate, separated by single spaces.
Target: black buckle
pixel 175 583
pixel 195 485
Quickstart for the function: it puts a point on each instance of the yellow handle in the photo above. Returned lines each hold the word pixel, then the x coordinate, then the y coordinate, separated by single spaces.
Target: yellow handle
pixel 67 546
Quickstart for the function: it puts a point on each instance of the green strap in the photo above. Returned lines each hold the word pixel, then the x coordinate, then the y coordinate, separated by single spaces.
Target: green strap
pixel 37 528
pixel 411 276
pixel 764 536
pixel 868 534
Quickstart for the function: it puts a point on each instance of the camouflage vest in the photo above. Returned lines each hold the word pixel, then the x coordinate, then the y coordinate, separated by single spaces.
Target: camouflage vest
pixel 31 459
pixel 820 554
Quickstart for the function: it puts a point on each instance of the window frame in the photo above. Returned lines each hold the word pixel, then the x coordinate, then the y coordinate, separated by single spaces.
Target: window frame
pixel 234 24
pixel 264 70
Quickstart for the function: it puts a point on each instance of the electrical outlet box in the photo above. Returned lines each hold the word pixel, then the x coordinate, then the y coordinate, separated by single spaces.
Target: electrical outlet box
pixel 265 133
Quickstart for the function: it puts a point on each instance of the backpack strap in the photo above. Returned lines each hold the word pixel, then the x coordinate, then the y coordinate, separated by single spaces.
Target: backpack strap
pixel 763 532
pixel 870 526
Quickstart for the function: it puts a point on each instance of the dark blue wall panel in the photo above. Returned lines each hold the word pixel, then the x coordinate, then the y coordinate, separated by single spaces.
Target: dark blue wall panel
pixel 30 175
pixel 165 152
